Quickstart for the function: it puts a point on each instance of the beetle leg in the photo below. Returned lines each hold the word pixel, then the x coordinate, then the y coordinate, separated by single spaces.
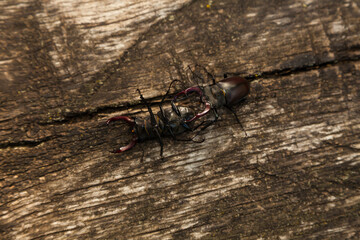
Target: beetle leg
pixel 165 120
pixel 236 117
pixel 153 123
pixel 152 117
pixel 160 142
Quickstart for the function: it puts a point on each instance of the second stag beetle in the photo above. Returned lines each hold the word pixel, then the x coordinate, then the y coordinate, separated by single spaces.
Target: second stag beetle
pixel 174 120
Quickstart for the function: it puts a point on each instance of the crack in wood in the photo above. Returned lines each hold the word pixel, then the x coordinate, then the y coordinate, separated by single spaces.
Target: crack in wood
pixel 88 114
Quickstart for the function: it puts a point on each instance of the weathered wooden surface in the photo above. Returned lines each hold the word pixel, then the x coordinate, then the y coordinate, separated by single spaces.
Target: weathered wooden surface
pixel 66 67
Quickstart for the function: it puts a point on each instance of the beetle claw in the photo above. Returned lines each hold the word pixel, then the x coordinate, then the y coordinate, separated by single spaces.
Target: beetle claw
pixel 131 123
pixel 200 92
pixel 128 120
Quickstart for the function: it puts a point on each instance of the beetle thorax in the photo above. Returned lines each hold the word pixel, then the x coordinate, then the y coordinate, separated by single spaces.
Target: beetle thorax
pixel 215 95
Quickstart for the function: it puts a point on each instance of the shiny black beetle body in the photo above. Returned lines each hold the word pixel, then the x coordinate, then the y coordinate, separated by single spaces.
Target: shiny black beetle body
pixel 178 119
pixel 169 124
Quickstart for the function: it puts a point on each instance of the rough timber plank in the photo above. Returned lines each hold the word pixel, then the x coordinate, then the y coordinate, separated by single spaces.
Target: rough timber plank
pixel 231 36
pixel 294 176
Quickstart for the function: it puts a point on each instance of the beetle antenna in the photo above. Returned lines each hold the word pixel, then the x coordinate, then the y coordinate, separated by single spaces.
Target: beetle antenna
pixel 208 73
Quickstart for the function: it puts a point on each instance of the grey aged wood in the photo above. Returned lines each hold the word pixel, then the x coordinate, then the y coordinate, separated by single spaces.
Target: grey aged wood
pixel 68 66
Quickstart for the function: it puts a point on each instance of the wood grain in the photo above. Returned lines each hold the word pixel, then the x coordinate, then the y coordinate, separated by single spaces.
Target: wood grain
pixel 67 66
